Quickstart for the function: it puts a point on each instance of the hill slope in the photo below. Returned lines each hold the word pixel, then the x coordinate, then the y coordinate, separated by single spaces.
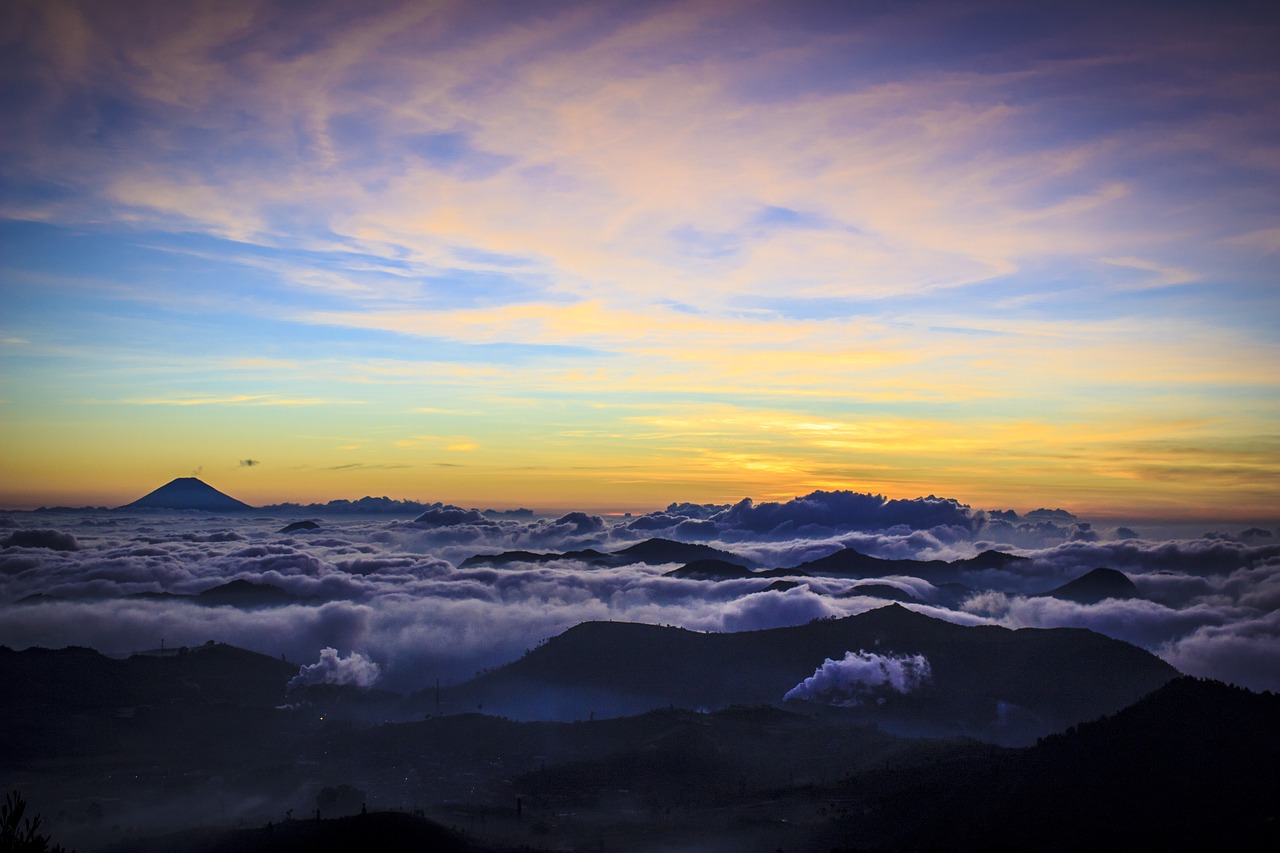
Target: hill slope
pixel 1094 586
pixel 1192 766
pixel 987 681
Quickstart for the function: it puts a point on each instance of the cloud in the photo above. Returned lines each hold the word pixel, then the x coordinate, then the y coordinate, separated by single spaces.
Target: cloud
pixel 52 539
pixel 860 675
pixel 354 669
pixel 391 590
pixel 1143 623
pixel 819 513
pixel 452 516
pixel 1244 652
pixel 858 193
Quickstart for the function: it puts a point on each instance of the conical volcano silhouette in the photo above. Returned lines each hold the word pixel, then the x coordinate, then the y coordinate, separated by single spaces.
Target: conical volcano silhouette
pixel 188 493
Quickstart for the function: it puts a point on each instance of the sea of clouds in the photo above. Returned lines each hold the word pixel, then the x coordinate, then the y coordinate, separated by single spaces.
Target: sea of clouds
pixel 384 600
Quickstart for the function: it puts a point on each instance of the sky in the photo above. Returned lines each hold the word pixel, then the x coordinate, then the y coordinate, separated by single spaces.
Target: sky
pixel 604 256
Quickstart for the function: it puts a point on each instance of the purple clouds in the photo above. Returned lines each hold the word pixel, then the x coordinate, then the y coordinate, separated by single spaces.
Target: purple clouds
pixel 395 592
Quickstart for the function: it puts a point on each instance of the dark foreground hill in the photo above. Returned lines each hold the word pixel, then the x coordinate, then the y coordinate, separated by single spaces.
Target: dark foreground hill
pixel 129 752
pixel 1193 766
pixel 386 832
pixel 188 493
pixel 82 681
pixel 985 681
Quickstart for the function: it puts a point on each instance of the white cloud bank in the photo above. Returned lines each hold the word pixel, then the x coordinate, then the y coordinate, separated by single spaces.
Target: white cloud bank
pixel 391 592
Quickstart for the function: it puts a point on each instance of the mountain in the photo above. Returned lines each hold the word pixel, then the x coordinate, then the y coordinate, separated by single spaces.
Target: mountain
pixel 390 832
pixel 1097 585
pixel 188 493
pixel 82 680
pixel 851 563
pixel 1192 766
pixel 656 551
pixel 652 551
pixel 589 556
pixel 720 570
pixel 245 593
pixel 299 525
pixel 986 681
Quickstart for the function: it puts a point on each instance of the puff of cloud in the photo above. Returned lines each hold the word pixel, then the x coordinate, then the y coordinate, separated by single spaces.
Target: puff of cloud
pixel 578 524
pixel 453 516
pixel 355 670
pixel 54 540
pixel 859 675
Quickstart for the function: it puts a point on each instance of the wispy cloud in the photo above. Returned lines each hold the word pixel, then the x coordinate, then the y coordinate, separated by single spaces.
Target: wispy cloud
pixel 781 210
pixel 240 399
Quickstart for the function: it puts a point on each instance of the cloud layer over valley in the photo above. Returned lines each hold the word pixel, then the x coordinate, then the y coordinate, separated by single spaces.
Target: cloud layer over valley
pixel 387 599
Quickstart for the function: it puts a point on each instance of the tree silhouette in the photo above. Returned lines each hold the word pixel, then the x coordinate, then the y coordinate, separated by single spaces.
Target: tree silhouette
pixel 22 836
pixel 340 801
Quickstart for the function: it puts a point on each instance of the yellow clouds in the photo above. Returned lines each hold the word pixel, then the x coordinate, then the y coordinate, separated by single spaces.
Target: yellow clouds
pixel 1095 464
pixel 239 399
pixel 888 253
pixel 436 442
pixel 663 349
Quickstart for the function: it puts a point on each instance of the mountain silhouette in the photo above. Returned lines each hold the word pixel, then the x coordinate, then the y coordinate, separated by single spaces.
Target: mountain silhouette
pixel 1097 585
pixel 245 593
pixel 988 681
pixel 82 680
pixel 710 570
pixel 1184 768
pixel 656 551
pixel 188 493
pixel 390 832
pixel 851 563
pixel 299 525
pixel 719 570
pixel 652 551
pixel 589 556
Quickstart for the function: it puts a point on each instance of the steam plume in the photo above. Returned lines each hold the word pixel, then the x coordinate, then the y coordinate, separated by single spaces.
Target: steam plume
pixel 355 669
pixel 859 674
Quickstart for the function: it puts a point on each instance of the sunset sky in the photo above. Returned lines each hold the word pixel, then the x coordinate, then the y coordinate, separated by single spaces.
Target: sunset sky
pixel 610 255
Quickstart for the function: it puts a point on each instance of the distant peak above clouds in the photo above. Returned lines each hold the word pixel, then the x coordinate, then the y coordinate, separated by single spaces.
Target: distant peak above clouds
pixel 188 493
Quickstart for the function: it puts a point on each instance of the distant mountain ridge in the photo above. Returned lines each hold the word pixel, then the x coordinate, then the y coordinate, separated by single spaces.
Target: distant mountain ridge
pixel 369 505
pixel 720 570
pixel 847 562
pixel 851 563
pixel 655 551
